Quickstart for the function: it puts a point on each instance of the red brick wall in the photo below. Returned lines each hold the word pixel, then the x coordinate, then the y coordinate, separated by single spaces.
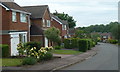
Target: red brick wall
pixel 7 23
pixel 38 39
pixel 57 25
pixel 5 39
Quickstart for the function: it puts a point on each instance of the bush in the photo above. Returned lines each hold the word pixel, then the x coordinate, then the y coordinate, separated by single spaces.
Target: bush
pixel 58 47
pixel 29 61
pixel 5 50
pixel 83 45
pixel 71 43
pixel 46 56
pixel 113 41
pixel 33 44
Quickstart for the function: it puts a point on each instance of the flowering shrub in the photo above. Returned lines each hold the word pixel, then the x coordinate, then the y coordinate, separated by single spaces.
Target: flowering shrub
pixel 42 54
pixel 21 49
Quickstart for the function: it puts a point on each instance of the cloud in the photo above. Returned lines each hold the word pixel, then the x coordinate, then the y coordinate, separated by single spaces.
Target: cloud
pixel 85 12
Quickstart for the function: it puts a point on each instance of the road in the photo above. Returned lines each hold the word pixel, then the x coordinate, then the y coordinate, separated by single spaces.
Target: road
pixel 106 59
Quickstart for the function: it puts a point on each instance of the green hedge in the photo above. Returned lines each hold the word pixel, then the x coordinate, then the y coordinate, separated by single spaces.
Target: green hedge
pixel 5 50
pixel 83 45
pixel 71 43
pixel 112 41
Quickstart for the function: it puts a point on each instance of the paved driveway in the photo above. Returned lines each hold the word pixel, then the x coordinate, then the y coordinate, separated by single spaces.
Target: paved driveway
pixel 106 59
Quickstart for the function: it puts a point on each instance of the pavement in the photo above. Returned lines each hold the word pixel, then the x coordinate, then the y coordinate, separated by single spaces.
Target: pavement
pixel 58 63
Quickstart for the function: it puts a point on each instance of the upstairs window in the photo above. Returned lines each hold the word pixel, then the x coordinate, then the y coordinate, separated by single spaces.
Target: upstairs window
pixel 43 22
pixel 14 19
pixel 23 17
pixel 64 27
pixel 48 23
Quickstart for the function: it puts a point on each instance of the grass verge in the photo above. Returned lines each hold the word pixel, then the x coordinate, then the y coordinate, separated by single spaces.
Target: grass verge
pixel 11 62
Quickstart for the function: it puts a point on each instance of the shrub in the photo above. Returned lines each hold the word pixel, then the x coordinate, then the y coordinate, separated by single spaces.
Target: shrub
pixel 29 61
pixel 5 50
pixel 46 56
pixel 71 43
pixel 57 47
pixel 113 41
pixel 83 45
pixel 33 44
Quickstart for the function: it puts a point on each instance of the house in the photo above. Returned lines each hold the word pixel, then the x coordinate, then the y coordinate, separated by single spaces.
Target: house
pixel 40 21
pixel 71 32
pixel 61 25
pixel 15 25
pixel 105 36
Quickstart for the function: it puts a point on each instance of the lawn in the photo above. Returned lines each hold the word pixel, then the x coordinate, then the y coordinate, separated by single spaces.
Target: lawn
pixel 71 52
pixel 11 62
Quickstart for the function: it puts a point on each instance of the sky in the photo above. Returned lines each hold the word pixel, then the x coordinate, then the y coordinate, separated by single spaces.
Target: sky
pixel 85 12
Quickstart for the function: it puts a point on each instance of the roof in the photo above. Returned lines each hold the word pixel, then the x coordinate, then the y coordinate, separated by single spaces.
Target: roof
pixel 13 5
pixel 35 30
pixel 37 11
pixel 58 19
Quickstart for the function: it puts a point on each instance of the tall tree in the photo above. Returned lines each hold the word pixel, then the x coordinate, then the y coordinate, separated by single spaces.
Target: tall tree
pixel 66 17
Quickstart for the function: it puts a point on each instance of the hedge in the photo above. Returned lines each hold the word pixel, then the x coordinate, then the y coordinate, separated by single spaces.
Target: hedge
pixel 5 50
pixel 112 41
pixel 71 43
pixel 83 45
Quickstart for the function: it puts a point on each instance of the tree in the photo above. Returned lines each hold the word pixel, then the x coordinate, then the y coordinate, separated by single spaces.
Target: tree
pixel 80 34
pixel 53 34
pixel 66 17
pixel 116 31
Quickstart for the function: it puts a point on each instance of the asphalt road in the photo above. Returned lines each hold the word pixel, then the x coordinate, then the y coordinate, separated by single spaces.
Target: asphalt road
pixel 106 59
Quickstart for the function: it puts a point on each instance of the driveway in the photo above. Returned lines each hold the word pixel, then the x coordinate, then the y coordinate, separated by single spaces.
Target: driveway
pixel 106 59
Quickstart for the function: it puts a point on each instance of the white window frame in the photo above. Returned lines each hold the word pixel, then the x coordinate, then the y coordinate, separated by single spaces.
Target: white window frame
pixel 43 21
pixel 14 17
pixel 48 23
pixel 23 18
pixel 64 27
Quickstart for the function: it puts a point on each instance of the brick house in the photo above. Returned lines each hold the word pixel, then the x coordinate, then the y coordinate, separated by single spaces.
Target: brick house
pixel 61 25
pixel 40 21
pixel 15 25
pixel 105 36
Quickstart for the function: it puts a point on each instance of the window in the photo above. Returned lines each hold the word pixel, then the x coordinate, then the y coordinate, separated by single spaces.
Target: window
pixel 23 17
pixel 48 23
pixel 14 17
pixel 64 27
pixel 43 22
pixel 23 38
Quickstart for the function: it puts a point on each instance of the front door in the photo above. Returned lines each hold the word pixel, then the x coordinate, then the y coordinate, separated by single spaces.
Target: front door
pixel 14 42
pixel 46 42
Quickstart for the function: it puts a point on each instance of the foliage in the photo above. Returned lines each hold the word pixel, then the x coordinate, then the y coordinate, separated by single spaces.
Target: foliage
pixel 83 45
pixel 29 61
pixel 30 45
pixel 112 41
pixel 33 53
pixel 11 62
pixel 53 34
pixel 99 28
pixel 57 47
pixel 71 43
pixel 71 52
pixel 21 49
pixel 5 50
pixel 46 56
pixel 80 34
pixel 66 17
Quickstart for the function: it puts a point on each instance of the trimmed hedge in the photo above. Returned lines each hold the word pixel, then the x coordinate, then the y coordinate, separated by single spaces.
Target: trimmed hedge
pixel 5 50
pixel 47 56
pixel 71 43
pixel 83 45
pixel 29 61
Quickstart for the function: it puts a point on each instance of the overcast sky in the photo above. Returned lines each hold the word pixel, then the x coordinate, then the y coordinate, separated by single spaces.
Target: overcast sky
pixel 85 12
